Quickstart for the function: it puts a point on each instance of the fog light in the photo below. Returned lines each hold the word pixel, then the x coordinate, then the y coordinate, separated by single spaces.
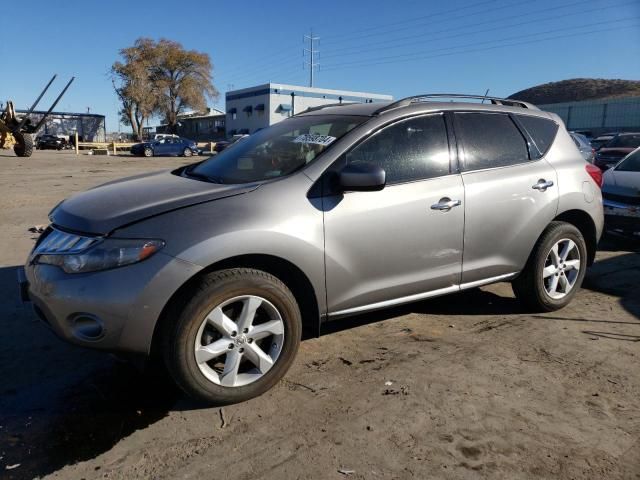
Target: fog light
pixel 87 327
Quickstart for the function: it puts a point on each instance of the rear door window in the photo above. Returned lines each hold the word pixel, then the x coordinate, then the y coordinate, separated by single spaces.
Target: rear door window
pixel 490 140
pixel 542 131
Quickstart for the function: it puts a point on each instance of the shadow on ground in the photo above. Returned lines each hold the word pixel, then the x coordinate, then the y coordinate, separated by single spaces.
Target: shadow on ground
pixel 60 404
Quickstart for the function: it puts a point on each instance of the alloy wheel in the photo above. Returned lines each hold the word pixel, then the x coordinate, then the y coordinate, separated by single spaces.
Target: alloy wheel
pixel 239 341
pixel 561 268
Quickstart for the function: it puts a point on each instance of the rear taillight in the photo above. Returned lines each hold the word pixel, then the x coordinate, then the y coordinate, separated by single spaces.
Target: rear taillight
pixel 595 173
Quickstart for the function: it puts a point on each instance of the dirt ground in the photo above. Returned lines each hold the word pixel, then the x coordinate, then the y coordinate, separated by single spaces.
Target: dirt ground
pixel 465 386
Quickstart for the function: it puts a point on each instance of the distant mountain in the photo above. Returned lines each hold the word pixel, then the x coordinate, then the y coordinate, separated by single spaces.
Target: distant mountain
pixel 577 89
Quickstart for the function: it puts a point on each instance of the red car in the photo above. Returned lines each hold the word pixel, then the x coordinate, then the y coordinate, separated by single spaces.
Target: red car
pixel 616 149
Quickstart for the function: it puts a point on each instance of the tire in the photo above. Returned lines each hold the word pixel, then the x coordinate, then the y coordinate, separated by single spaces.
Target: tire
pixel 147 152
pixel 187 152
pixel 534 287
pixel 24 144
pixel 187 337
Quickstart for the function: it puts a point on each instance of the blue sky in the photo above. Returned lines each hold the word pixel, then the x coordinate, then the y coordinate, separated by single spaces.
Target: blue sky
pixel 399 47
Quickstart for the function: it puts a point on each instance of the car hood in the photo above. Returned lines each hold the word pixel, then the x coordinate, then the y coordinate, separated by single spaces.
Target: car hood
pixel 115 204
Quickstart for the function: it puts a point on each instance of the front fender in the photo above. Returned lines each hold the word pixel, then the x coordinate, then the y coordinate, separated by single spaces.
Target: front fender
pixel 277 220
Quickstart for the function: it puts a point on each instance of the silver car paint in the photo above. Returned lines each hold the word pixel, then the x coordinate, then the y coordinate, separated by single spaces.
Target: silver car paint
pixel 390 244
pixel 585 148
pixel 365 267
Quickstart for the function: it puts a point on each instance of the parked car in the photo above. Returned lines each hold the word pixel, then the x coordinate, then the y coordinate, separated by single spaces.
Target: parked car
pixel 600 140
pixel 159 136
pixel 588 134
pixel 586 150
pixel 621 194
pixel 218 267
pixel 166 146
pixel 224 144
pixel 50 142
pixel 617 148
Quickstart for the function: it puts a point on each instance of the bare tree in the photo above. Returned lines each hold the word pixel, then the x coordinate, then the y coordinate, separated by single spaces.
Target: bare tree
pixel 134 85
pixel 183 80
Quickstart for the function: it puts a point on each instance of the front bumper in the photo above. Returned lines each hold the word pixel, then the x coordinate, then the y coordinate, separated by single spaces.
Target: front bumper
pixel 114 310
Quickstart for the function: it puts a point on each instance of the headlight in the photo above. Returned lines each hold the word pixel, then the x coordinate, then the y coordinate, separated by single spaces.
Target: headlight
pixel 110 253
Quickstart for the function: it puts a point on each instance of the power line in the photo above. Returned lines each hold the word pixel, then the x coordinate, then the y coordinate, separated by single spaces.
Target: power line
pixel 456 18
pixel 424 57
pixel 234 74
pixel 467 32
pixel 358 33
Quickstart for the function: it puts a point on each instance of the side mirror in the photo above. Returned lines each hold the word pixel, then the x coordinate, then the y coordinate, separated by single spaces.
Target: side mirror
pixel 362 177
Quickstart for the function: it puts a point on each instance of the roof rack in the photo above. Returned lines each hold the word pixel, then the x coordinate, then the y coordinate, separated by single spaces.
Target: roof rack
pixel 326 105
pixel 404 102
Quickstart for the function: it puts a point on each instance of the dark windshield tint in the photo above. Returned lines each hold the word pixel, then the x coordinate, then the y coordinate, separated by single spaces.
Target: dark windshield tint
pixel 278 150
pixel 624 141
pixel 541 130
pixel 631 163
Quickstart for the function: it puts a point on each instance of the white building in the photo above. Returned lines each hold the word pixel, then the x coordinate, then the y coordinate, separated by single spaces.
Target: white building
pixel 250 109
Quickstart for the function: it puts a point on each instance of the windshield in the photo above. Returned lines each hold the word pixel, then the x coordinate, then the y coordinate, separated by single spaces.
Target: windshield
pixel 276 151
pixel 631 163
pixel 624 141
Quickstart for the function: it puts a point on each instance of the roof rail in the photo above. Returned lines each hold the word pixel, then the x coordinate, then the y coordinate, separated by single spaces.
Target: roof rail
pixel 320 107
pixel 404 102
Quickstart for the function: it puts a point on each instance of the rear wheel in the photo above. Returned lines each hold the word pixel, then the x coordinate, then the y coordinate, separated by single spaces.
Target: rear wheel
pixel 235 338
pixel 555 269
pixel 187 152
pixel 24 144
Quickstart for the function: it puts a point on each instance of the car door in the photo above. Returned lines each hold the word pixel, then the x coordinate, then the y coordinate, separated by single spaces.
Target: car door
pixel 173 146
pixel 403 242
pixel 161 147
pixel 178 146
pixel 511 191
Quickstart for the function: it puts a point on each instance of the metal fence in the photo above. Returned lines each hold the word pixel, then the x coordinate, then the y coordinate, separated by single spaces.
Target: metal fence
pixel 599 115
pixel 89 127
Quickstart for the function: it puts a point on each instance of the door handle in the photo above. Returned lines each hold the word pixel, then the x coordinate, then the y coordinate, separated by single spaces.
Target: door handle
pixel 445 204
pixel 542 185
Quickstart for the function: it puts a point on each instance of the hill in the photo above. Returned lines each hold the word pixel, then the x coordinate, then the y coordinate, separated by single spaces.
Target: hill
pixel 577 89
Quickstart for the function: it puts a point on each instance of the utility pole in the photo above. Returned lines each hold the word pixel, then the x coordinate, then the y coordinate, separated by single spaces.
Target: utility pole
pixel 313 54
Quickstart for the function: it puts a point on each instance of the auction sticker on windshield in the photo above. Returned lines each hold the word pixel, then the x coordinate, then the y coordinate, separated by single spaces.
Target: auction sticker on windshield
pixel 314 139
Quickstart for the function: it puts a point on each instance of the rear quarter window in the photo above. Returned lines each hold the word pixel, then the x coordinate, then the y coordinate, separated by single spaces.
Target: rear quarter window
pixel 541 130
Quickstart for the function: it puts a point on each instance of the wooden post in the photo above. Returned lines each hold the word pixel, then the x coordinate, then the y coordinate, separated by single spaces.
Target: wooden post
pixel 76 142
pixel 211 144
pixel 115 150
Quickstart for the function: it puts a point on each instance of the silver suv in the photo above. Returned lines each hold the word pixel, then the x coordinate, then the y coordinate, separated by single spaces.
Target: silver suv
pixel 218 267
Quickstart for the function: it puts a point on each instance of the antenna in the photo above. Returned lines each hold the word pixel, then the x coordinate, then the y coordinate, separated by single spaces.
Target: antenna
pixel 313 54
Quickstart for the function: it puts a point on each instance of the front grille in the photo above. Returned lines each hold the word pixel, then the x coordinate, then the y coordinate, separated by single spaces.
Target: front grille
pixel 57 241
pixel 621 198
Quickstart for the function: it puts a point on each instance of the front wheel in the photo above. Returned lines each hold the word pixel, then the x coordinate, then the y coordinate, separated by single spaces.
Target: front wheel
pixel 555 269
pixel 24 144
pixel 187 152
pixel 148 152
pixel 235 338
